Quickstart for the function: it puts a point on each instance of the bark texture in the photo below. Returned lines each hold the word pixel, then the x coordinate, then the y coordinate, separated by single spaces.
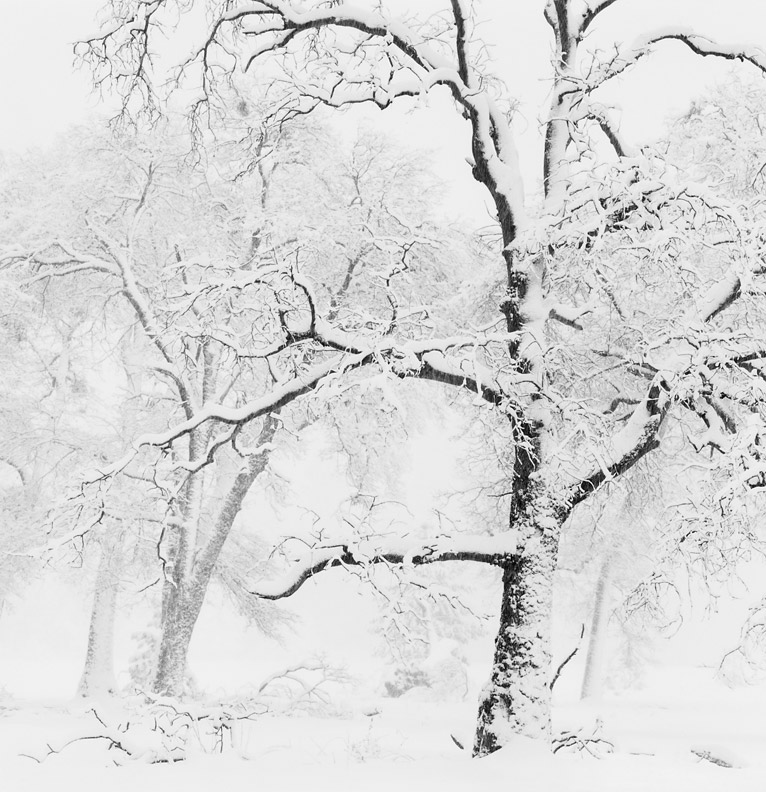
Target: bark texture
pixel 180 612
pixel 516 699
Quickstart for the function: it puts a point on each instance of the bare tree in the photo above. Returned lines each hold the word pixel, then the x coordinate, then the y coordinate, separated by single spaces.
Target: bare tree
pixel 628 301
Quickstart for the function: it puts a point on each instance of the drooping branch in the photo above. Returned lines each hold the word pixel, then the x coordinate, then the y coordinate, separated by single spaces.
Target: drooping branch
pixel 494 550
pixel 293 22
pixel 700 45
pixel 62 269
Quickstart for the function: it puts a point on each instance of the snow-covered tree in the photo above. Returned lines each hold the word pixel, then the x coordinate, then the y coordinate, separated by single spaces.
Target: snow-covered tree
pixel 629 296
pixel 106 243
pixel 205 281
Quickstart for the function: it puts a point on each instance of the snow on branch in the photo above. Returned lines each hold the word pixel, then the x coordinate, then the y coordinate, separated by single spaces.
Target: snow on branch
pixel 493 550
pixel 120 53
pixel 277 397
pixel 641 433
pixel 436 366
pixel 292 22
pixel 719 296
pixel 638 437
pixel 624 58
pixel 700 45
pixel 418 359
pixel 590 14
pixel 587 108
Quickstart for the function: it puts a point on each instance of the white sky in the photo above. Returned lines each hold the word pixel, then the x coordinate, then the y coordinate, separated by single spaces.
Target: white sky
pixel 40 95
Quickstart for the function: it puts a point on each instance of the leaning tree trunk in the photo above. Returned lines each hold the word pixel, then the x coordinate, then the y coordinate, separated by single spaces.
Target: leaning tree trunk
pixel 98 675
pixel 185 589
pixel 516 699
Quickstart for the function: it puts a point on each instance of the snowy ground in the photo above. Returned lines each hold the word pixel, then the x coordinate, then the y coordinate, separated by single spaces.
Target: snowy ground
pixel 405 743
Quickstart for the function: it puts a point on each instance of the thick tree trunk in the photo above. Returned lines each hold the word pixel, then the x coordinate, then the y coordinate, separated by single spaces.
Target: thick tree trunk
pixel 98 678
pixel 516 699
pixel 181 608
pixel 593 675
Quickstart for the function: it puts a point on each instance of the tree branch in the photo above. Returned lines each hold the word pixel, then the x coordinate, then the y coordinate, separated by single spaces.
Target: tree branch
pixel 460 40
pixel 493 550
pixel 704 47
pixel 408 359
pixel 589 17
pixel 636 439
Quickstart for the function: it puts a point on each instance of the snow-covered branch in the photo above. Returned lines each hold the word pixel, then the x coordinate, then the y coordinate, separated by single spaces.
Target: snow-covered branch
pixel 637 438
pixel 700 45
pixel 483 549
pixel 421 359
pixel 719 296
pixel 590 15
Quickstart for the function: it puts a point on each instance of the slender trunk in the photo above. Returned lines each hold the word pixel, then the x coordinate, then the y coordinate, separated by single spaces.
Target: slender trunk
pixel 181 599
pixel 593 676
pixel 517 698
pixel 98 675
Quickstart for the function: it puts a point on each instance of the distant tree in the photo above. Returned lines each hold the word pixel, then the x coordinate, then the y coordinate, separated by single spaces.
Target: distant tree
pixel 629 296
pixel 45 340
pixel 205 283
pixel 119 188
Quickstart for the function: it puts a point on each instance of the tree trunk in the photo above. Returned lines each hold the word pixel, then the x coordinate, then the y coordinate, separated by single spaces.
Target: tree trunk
pixel 98 675
pixel 181 598
pixel 184 593
pixel 516 699
pixel 181 608
pixel 592 677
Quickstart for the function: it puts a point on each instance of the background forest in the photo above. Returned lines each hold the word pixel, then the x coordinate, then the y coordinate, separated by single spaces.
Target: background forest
pixel 328 442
